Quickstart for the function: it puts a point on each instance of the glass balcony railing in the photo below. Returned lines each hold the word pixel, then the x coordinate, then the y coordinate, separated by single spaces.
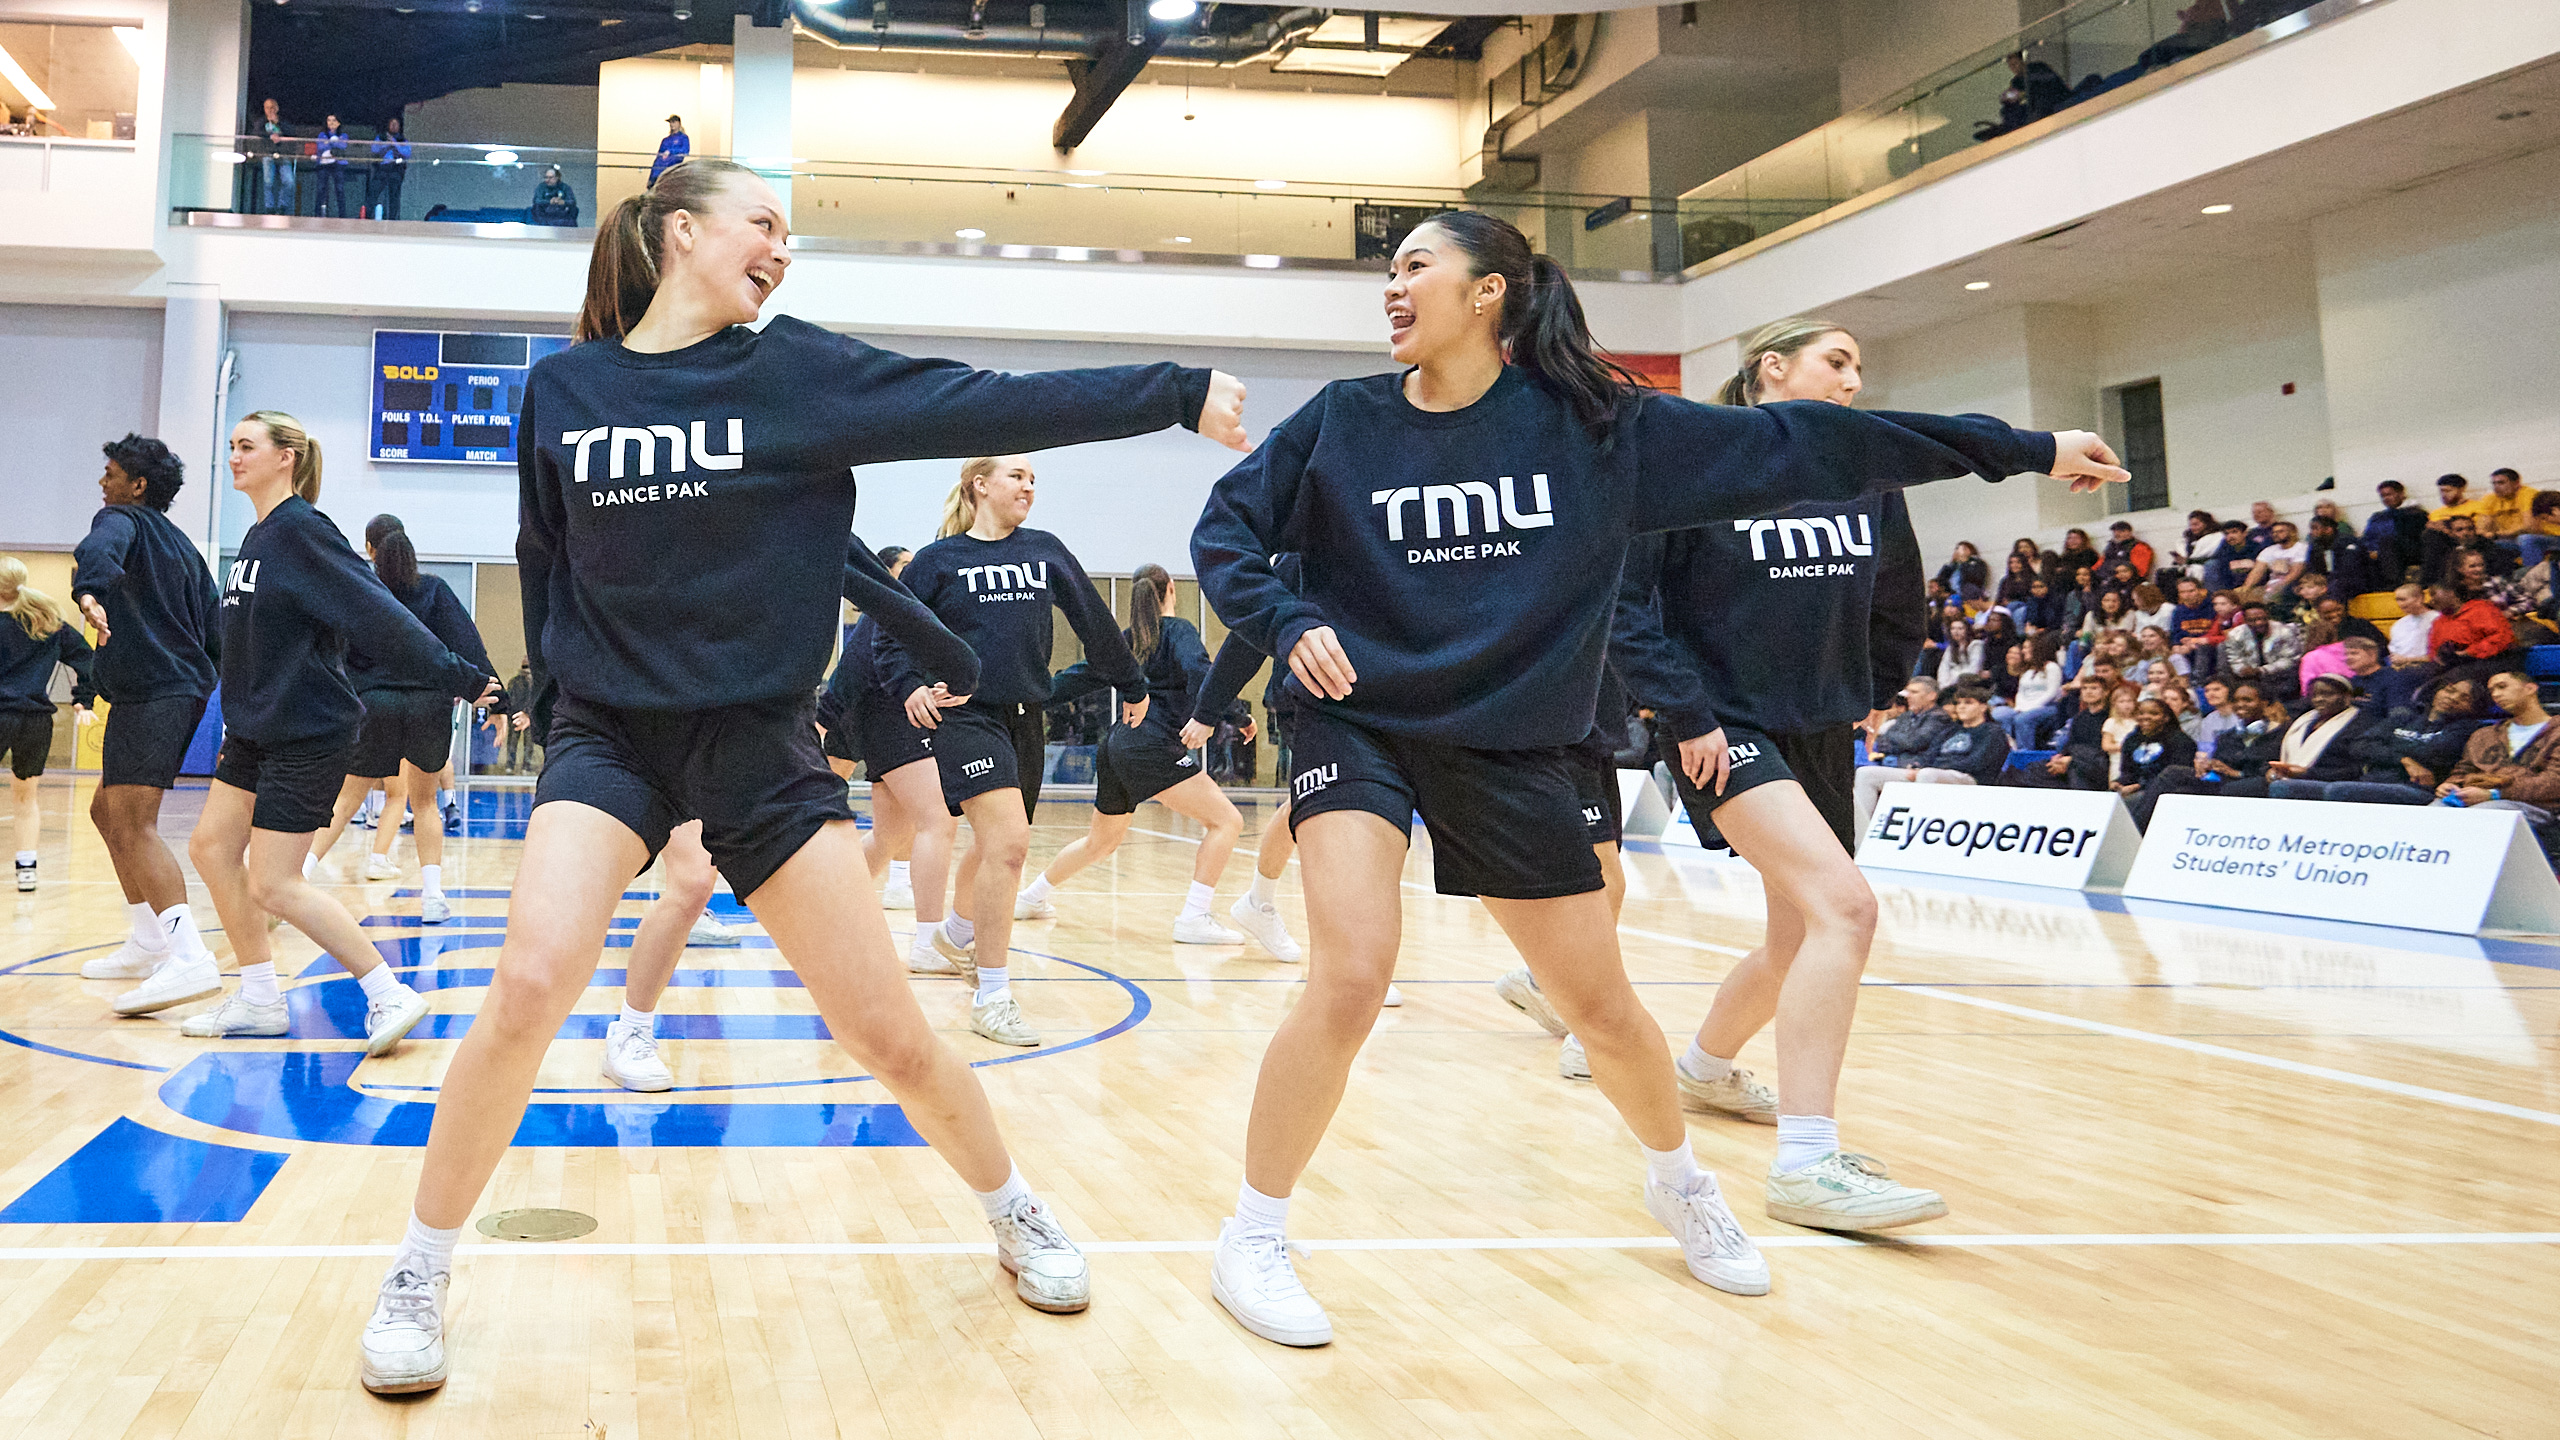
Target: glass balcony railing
pixel 1268 222
pixel 2079 53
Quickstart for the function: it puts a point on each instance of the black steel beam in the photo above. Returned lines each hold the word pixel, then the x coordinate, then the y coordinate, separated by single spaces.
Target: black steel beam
pixel 1099 81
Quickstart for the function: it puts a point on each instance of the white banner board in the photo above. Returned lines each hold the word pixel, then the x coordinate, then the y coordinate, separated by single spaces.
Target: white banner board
pixel 1642 811
pixel 2423 867
pixel 2067 839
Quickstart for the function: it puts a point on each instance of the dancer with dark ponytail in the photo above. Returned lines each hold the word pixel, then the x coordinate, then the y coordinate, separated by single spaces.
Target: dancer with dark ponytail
pixel 656 705
pixel 1463 524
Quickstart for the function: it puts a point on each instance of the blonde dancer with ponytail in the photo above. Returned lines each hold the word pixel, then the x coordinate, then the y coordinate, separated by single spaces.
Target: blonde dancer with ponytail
pixel 33 639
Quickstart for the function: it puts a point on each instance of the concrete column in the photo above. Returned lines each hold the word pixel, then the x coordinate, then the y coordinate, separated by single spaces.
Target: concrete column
pixel 760 101
pixel 191 346
pixel 208 50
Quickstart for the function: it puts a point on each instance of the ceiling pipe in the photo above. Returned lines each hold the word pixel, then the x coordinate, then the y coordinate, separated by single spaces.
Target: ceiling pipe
pixel 855 27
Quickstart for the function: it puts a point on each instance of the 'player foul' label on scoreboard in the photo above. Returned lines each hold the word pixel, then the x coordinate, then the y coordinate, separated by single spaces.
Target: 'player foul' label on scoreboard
pixel 451 396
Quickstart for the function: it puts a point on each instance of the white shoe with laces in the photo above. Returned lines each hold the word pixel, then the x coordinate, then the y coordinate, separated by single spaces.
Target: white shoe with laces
pixel 1251 1275
pixel 404 1341
pixel 237 1018
pixel 433 909
pixel 391 1018
pixel 1001 1020
pixel 1521 993
pixel 1572 1062
pixel 963 957
pixel 1712 1241
pixel 898 895
pixel 1048 1271
pixel 1268 929
pixel 129 962
pixel 380 867
pixel 179 979
pixel 1026 908
pixel 1201 930
pixel 631 1058
pixel 926 958
pixel 707 931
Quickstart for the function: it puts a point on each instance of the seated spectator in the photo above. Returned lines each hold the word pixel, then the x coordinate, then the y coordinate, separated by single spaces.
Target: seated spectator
pixel 1916 732
pixel 2523 597
pixel 2080 601
pixel 2216 716
pixel 2150 607
pixel 2334 553
pixel 2301 601
pixel 2156 660
pixel 2032 709
pixel 2191 623
pixel 2264 651
pixel 1956 745
pixel 1974 750
pixel 2387 690
pixel 2119 575
pixel 2276 565
pixel 2123 548
pixel 554 203
pixel 2035 91
pixel 2155 744
pixel 2016 586
pixel 2181 701
pixel 2453 497
pixel 2112 610
pixel 1967 576
pixel 2241 752
pixel 2405 760
pixel 2080 757
pixel 2076 555
pixel 2317 745
pixel 2514 765
pixel 2262 532
pixel 2541 533
pixel 2393 534
pixel 2323 653
pixel 2507 510
pixel 2410 646
pixel 2043 610
pixel 2026 548
pixel 2461 536
pixel 1997 632
pixel 2471 635
pixel 2229 563
pixel 2200 542
pixel 2333 611
pixel 2121 704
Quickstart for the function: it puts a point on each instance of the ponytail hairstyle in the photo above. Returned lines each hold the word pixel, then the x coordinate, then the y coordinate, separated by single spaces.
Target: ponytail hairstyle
pixel 36 612
pixel 1542 329
pixel 1783 338
pixel 395 560
pixel 288 434
pixel 622 271
pixel 960 508
pixel 379 526
pixel 1147 589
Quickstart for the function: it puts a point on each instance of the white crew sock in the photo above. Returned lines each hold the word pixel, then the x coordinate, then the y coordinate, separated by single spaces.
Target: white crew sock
pixel 147 934
pixel 647 1020
pixel 310 862
pixel 1803 1139
pixel 1266 889
pixel 430 879
pixel 991 983
pixel 1038 890
pixel 425 1249
pixel 961 932
pixel 1702 1067
pixel 1198 903
pixel 898 872
pixel 443 798
pixel 1002 1198
pixel 1674 1168
pixel 258 983
pixel 379 984
pixel 179 925
pixel 1260 1214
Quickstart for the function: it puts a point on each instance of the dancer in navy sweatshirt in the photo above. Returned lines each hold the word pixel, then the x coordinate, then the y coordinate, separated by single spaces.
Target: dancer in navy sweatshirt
pixel 1463 525
pixel 995 583
pixel 144 586
pixel 296 597
pixel 680 470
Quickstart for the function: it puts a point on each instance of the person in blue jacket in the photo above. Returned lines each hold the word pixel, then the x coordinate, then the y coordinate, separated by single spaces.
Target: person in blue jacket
pixel 672 150
pixel 329 152
pixel 390 170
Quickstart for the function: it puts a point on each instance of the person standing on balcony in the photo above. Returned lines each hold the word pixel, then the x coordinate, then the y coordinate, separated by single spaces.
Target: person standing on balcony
pixel 276 150
pixel 672 150
pixel 329 149
pixel 390 171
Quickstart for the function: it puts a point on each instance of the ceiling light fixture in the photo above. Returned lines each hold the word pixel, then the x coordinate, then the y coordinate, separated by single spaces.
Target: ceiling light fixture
pixel 500 157
pixel 1172 9
pixel 970 232
pixel 1088 172
pixel 1270 184
pixel 20 81
pixel 1177 239
pixel 131 39
pixel 1977 284
pixel 2217 210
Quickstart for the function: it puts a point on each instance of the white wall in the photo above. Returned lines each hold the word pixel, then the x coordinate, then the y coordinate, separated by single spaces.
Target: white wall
pixel 1887 44
pixel 1979 365
pixel 78 378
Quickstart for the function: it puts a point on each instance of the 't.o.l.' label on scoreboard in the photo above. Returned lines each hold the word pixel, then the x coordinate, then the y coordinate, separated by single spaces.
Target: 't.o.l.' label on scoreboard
pixel 451 396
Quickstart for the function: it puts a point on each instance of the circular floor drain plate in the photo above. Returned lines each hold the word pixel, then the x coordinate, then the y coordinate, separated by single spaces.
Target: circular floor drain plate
pixel 536 1225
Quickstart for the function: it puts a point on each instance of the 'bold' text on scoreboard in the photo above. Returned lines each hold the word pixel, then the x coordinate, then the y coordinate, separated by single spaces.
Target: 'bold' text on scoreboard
pixel 450 396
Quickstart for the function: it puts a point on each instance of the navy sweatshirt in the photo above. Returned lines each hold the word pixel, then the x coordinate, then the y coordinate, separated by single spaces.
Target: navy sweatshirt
pixel 440 610
pixel 1177 672
pixel 997 595
pixel 1782 625
pixel 1468 561
pixel 158 593
pixel 1237 663
pixel 297 594
pixel 26 666
pixel 666 497
pixel 888 607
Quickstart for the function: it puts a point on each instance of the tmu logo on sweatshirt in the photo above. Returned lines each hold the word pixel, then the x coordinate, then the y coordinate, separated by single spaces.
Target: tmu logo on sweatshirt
pixel 1453 503
pixel 1005 582
pixel 1819 533
pixel 243 580
pixel 625 442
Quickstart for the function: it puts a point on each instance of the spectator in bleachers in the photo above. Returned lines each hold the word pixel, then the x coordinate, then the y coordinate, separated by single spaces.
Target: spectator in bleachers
pixel 2393 534
pixel 1967 576
pixel 2119 575
pixel 672 150
pixel 329 161
pixel 2471 634
pixel 2301 600
pixel 1933 634
pixel 2318 745
pixel 2076 555
pixel 2347 623
pixel 2263 650
pixel 2239 753
pixel 2035 90
pixel 2201 541
pixel 1960 658
pixel 2514 765
pixel 1975 749
pixel 1916 731
pixel 2461 536
pixel 2018 583
pixel 2323 652
pixel 1910 748
pixel 2079 759
pixel 2122 546
pixel 2507 510
pixel 2080 601
pixel 2216 715
pixel 2541 533
pixel 1997 632
pixel 2277 563
pixel 2175 693
pixel 2338 557
pixel 2040 685
pixel 2262 532
pixel 2387 690
pixel 382 183
pixel 2043 608
pixel 2155 661
pixel 2191 624
pixel 2113 611
pixel 1939 595
pixel 2453 501
pixel 2403 760
pixel 554 203
pixel 2523 596
pixel 2410 646
pixel 2122 702
pixel 2155 743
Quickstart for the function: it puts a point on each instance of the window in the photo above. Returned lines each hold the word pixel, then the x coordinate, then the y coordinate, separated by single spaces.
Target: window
pixel 2143 444
pixel 69 79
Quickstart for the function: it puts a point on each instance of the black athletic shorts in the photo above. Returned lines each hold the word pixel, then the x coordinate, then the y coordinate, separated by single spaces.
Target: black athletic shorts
pixel 752 774
pixel 1504 823
pixel 146 740
pixel 1823 761
pixel 983 748
pixel 839 743
pixel 411 725
pixel 26 736
pixel 296 785
pixel 1596 775
pixel 888 742
pixel 1136 765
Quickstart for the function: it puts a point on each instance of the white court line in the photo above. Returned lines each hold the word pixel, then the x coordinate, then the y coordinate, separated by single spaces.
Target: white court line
pixel 573 1249
pixel 1680 940
pixel 2225 1052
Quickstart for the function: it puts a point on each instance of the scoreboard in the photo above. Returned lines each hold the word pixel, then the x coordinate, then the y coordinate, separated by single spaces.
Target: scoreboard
pixel 449 396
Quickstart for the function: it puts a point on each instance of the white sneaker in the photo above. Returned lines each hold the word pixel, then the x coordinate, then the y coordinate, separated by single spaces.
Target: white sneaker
pixel 1026 908
pixel 631 1058
pixel 707 931
pixel 926 958
pixel 404 1341
pixel 1252 1276
pixel 964 957
pixel 898 895
pixel 1522 994
pixel 237 1018
pixel 1710 1238
pixel 1844 1191
pixel 1048 1270
pixel 1571 1062
pixel 1395 998
pixel 1201 930
pixel 1001 1020
pixel 129 962
pixel 1737 1095
pixel 178 979
pixel 26 876
pixel 387 1020
pixel 432 909
pixel 380 867
pixel 1268 929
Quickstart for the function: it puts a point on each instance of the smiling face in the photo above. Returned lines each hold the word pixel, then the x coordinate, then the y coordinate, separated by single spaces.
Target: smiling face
pixel 734 250
pixel 2153 716
pixel 2329 697
pixel 1005 496
pixel 117 488
pixel 1827 368
pixel 1434 307
pixel 257 461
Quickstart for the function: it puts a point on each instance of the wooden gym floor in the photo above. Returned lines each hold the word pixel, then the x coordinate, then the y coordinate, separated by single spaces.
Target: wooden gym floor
pixel 2212 1175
